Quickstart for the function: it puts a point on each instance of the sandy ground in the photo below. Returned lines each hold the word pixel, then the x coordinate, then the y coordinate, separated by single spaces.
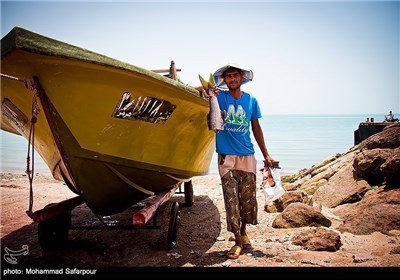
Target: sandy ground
pixel 202 239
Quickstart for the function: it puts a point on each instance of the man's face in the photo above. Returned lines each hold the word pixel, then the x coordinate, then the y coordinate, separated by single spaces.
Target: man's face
pixel 233 79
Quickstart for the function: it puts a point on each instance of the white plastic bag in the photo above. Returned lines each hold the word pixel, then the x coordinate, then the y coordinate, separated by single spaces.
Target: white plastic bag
pixel 273 193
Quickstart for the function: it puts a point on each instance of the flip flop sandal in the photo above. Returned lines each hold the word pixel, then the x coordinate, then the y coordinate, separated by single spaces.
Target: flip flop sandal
pixel 246 243
pixel 234 252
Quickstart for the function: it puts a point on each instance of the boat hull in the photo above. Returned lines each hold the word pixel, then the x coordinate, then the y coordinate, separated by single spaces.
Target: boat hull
pixel 115 134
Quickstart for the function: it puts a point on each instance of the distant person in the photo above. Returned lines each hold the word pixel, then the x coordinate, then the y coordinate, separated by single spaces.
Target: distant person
pixel 237 164
pixel 390 117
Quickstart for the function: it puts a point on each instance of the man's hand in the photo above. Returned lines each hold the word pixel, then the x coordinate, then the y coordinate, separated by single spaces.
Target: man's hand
pixel 270 162
pixel 213 91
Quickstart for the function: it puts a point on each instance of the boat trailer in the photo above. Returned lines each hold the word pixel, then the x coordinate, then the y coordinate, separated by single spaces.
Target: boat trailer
pixel 55 219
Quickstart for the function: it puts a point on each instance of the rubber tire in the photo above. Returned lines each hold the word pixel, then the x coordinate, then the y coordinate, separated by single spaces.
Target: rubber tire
pixel 174 223
pixel 189 197
pixel 53 232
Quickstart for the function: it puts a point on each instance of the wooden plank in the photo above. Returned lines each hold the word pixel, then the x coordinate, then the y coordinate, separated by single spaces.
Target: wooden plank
pixel 142 216
pixel 56 209
pixel 165 70
pixel 172 71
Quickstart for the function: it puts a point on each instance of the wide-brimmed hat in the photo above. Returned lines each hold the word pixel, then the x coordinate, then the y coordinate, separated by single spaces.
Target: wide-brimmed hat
pixel 219 81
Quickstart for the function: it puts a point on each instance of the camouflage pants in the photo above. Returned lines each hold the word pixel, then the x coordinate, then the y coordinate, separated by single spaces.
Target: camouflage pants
pixel 239 189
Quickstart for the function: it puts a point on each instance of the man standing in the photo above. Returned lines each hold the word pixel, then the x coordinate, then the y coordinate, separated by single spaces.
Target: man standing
pixel 390 117
pixel 236 160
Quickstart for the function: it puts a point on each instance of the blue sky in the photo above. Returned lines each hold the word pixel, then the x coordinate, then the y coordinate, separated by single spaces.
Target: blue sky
pixel 307 57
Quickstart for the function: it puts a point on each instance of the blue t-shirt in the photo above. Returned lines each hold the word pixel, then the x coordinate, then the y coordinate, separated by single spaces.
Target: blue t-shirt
pixel 235 138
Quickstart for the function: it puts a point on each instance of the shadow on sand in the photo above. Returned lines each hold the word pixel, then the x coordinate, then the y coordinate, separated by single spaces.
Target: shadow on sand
pixel 125 248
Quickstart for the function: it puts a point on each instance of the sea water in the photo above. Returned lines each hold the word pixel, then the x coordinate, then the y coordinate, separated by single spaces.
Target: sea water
pixel 297 141
pixel 300 141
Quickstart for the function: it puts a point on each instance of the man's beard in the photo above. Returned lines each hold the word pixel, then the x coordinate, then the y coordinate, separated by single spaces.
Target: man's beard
pixel 234 87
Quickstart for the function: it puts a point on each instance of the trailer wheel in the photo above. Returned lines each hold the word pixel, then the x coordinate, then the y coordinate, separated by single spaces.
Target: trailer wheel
pixel 188 189
pixel 53 232
pixel 174 223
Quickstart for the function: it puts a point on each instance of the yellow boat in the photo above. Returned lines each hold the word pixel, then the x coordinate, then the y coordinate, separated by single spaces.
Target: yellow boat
pixel 114 132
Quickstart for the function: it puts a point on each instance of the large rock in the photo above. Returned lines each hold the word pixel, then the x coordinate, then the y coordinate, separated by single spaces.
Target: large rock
pixel 318 239
pixel 379 165
pixel 391 169
pixel 379 210
pixel 389 138
pixel 343 187
pixel 380 157
pixel 367 164
pixel 287 198
pixel 300 215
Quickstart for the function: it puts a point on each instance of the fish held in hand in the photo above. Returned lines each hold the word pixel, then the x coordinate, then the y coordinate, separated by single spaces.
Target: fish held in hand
pixel 214 117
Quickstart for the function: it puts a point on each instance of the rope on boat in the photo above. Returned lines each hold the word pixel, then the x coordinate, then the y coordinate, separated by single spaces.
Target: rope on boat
pixel 30 85
pixel 30 168
pixel 126 180
pixel 178 179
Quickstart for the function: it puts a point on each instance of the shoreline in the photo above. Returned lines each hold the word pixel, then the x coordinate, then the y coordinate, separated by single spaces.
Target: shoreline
pixel 40 173
pixel 43 169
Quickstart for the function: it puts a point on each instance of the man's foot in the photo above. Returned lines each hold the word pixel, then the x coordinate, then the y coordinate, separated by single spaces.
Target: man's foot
pixel 234 252
pixel 246 244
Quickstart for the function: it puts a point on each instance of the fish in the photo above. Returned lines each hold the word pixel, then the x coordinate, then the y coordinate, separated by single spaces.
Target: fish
pixel 214 117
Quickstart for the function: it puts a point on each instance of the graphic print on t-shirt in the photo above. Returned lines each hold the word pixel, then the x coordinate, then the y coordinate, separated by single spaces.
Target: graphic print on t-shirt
pixel 236 117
